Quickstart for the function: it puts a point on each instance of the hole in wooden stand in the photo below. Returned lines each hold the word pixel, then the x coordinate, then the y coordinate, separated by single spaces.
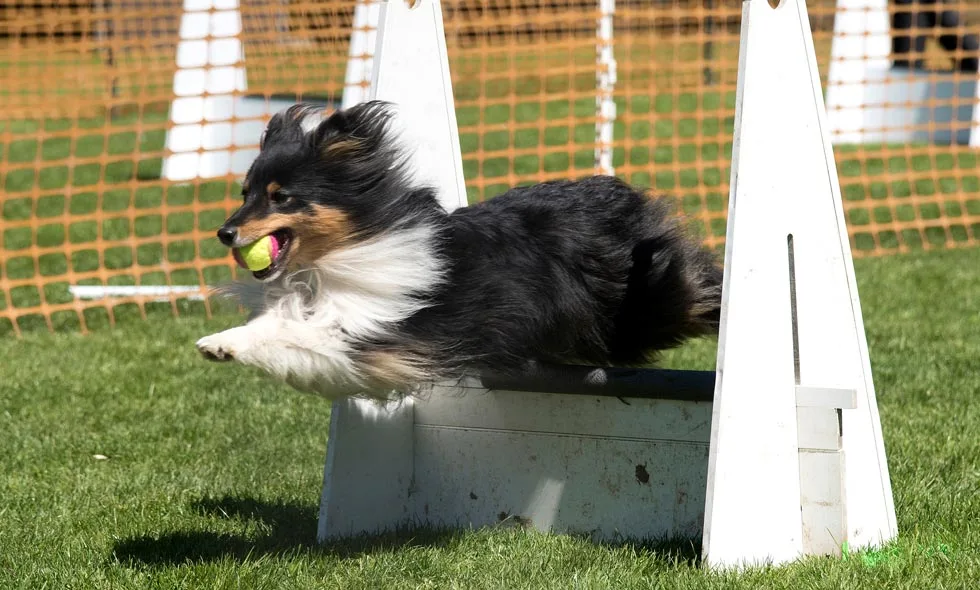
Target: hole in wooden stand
pixel 774 3
pixel 792 307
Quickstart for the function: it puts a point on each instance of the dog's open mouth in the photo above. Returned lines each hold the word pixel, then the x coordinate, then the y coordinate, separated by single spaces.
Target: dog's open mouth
pixel 276 253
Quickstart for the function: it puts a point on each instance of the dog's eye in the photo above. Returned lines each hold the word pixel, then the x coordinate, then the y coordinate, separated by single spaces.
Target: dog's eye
pixel 279 197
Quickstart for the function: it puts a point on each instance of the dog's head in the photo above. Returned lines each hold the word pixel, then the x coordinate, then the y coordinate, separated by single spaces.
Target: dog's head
pixel 318 183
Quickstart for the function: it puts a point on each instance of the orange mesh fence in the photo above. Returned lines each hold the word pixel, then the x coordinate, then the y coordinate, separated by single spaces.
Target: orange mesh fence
pixel 93 229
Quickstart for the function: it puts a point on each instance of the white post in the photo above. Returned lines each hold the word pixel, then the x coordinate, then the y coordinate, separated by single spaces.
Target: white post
pixel 859 62
pixel 797 465
pixel 216 128
pixel 869 101
pixel 360 60
pixel 605 85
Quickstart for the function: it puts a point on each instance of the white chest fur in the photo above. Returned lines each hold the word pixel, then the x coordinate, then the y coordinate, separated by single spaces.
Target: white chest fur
pixel 306 322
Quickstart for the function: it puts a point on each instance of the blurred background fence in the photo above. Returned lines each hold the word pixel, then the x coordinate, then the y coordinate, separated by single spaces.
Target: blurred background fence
pixel 95 227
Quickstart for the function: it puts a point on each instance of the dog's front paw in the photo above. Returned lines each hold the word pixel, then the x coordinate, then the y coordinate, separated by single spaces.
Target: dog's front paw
pixel 217 349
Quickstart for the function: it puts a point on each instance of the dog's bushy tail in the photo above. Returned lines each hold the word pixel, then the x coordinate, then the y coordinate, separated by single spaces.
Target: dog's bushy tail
pixel 673 292
pixel 705 277
pixel 684 280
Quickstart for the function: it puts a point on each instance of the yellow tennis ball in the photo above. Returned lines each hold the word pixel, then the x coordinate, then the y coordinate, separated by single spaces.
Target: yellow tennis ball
pixel 258 255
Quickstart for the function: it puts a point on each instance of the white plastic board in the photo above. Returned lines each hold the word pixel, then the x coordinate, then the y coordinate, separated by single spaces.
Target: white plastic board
pixel 790 317
pixel 562 463
pixel 609 468
pixel 368 473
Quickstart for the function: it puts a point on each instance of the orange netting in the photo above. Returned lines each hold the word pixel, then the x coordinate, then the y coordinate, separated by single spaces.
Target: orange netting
pixel 86 88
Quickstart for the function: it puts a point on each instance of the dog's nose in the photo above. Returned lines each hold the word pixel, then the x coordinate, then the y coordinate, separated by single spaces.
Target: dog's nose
pixel 227 235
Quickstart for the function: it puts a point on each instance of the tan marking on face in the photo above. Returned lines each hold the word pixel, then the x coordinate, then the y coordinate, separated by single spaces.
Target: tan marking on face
pixel 272 188
pixel 314 234
pixel 255 228
pixel 319 232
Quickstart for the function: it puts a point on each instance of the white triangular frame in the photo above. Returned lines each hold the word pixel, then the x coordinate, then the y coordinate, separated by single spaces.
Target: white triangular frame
pixel 785 478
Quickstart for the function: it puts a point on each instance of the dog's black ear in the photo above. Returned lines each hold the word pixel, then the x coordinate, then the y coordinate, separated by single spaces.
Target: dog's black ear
pixel 363 127
pixel 331 129
pixel 289 125
pixel 373 115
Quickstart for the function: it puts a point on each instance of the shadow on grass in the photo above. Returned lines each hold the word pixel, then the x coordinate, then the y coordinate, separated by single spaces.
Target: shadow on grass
pixel 287 528
pixel 290 528
pixel 676 551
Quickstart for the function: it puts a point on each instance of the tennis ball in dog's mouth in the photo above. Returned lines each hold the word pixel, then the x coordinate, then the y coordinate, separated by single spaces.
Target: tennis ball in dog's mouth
pixel 259 255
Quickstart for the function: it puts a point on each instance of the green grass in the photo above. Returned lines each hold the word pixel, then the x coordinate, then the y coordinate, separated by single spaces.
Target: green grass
pixel 212 475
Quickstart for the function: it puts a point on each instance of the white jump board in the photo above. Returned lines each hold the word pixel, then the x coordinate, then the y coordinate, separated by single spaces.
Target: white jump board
pixel 613 468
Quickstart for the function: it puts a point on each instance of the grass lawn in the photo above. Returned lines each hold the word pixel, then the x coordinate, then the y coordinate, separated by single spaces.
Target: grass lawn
pixel 211 475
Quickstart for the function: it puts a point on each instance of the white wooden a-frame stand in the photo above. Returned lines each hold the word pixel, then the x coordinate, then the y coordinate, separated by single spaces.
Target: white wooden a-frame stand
pixel 776 455
pixel 797 463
